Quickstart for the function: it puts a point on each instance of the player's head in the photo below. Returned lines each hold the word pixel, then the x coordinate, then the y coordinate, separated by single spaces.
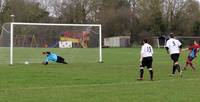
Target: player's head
pixel 171 35
pixel 145 41
pixel 195 42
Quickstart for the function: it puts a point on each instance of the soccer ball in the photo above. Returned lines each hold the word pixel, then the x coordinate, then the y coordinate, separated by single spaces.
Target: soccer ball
pixel 26 62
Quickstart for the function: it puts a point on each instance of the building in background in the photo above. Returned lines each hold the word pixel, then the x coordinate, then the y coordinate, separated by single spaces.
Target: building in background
pixel 118 41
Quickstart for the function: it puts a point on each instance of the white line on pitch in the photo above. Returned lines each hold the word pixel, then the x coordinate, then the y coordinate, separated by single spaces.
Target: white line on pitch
pixel 94 85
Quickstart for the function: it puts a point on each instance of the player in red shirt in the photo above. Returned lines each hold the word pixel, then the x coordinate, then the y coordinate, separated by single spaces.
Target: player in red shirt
pixel 192 54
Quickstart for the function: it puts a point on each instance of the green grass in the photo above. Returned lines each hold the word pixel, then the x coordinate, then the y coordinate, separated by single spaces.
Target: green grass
pixel 112 81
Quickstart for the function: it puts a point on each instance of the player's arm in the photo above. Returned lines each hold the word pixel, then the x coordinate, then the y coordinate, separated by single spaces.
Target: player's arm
pixel 141 55
pixel 167 47
pixel 180 46
pixel 186 49
pixel 141 59
pixel 152 50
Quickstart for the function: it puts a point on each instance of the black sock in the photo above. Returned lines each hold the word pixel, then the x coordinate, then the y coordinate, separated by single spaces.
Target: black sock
pixel 151 74
pixel 141 73
pixel 174 69
pixel 178 67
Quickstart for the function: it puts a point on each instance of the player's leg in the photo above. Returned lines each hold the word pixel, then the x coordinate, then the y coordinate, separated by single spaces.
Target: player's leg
pixel 190 62
pixel 173 66
pixel 193 68
pixel 141 73
pixel 177 64
pixel 142 69
pixel 178 67
pixel 151 73
pixel 186 63
pixel 149 66
pixel 61 60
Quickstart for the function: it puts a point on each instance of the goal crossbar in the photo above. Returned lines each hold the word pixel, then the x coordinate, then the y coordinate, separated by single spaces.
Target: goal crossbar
pixel 54 24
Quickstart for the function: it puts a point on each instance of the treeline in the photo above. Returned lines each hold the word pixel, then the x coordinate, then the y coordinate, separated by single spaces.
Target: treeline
pixel 136 18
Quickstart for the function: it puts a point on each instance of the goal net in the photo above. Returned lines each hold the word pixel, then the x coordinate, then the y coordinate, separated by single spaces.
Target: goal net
pixel 77 43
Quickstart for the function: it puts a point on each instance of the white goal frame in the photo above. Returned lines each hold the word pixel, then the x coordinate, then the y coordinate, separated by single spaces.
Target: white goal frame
pixel 53 24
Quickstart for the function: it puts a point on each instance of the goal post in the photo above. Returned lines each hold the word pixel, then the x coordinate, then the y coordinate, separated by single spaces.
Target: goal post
pixel 86 27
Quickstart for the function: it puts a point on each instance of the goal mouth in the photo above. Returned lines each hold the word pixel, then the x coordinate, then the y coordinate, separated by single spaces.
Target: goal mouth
pixel 77 43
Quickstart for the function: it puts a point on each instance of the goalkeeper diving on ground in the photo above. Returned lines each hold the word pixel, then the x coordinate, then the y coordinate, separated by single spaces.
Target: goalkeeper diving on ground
pixel 52 57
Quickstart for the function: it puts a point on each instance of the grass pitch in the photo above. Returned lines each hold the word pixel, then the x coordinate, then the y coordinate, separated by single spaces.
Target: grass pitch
pixel 112 81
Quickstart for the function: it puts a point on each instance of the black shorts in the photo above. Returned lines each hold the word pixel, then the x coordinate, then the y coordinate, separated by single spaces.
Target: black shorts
pixel 147 62
pixel 60 59
pixel 175 57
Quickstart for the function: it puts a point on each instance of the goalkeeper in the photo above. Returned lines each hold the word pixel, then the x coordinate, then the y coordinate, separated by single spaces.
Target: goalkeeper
pixel 53 57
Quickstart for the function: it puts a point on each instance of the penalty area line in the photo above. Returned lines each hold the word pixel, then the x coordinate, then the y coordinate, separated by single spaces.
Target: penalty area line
pixel 94 85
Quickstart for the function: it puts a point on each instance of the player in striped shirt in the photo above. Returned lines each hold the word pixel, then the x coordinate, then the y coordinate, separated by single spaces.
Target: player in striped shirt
pixel 53 57
pixel 192 54
pixel 146 59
